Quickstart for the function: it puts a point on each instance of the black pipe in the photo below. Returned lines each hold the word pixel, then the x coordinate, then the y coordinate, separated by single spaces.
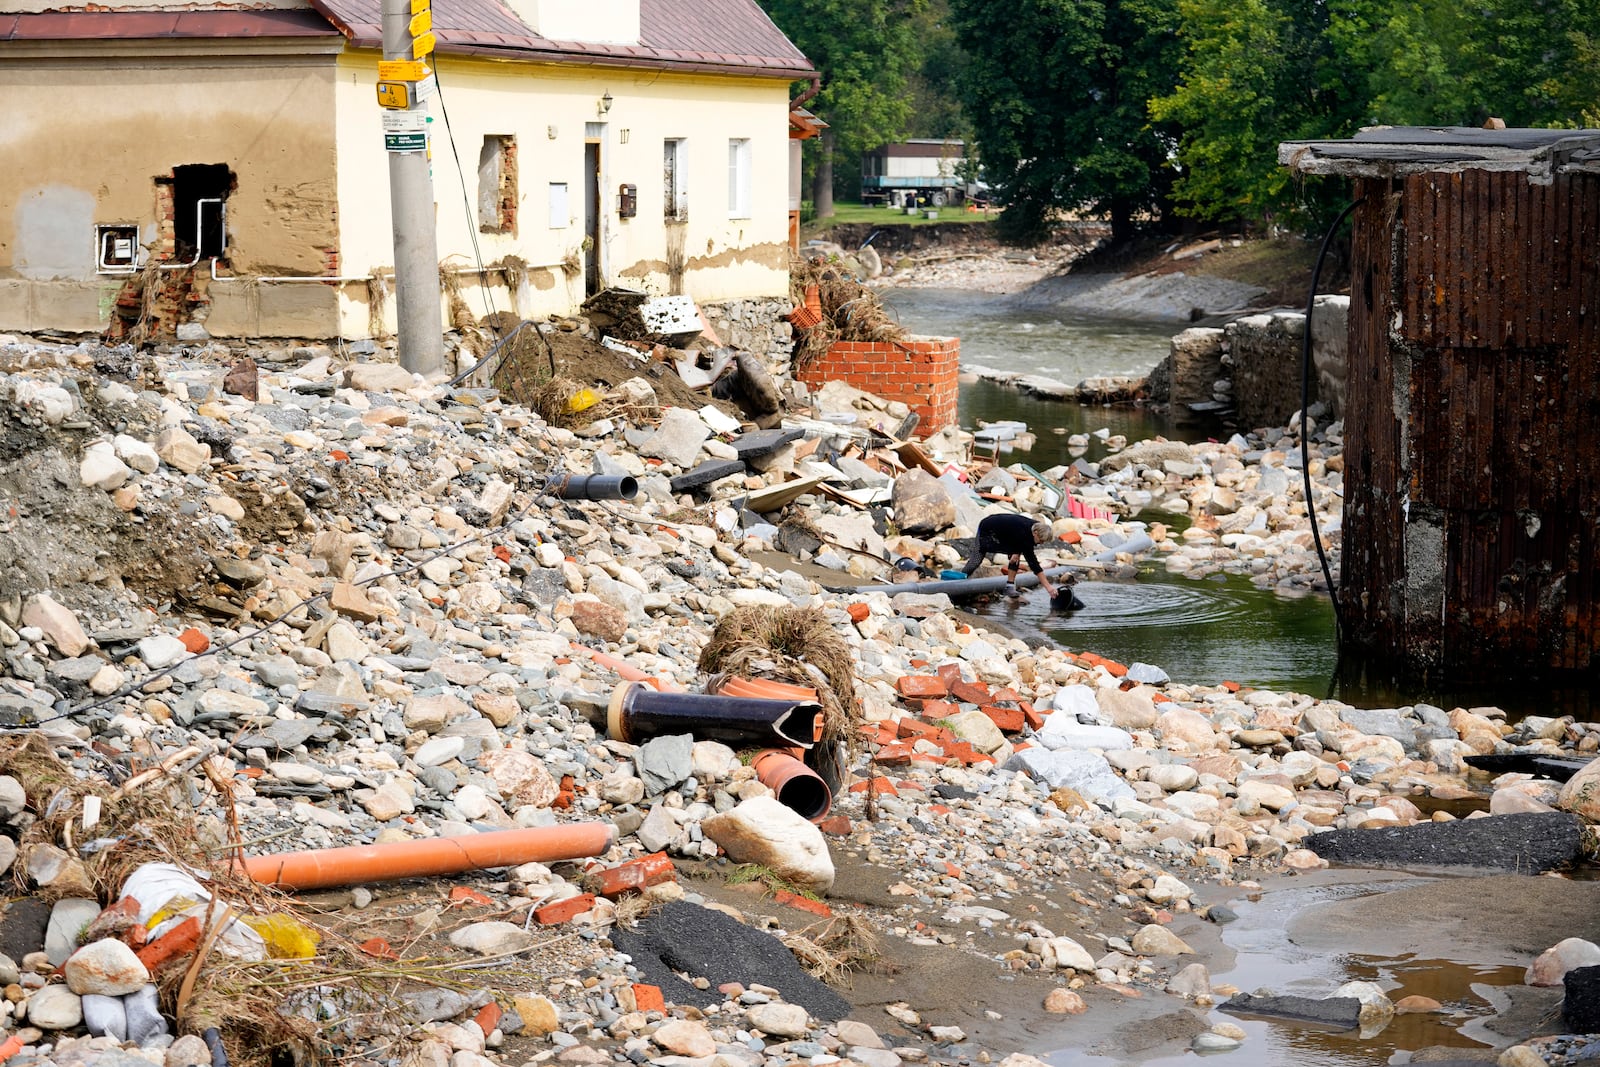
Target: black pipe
pixel 638 713
pixel 1305 433
pixel 598 487
pixel 213 1040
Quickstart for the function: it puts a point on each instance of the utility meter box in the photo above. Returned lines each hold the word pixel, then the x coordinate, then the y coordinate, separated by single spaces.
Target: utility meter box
pixel 627 201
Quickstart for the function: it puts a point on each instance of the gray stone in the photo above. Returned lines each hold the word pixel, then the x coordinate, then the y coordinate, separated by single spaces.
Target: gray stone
pixel 145 1022
pixel 493 938
pixel 1385 722
pixel 55 1007
pixel 779 1020
pixel 13 798
pixel 659 829
pixel 1341 1012
pixel 68 919
pixel 663 762
pixel 1085 772
pixel 1147 674
pixel 678 439
pixel 435 1005
pixel 921 503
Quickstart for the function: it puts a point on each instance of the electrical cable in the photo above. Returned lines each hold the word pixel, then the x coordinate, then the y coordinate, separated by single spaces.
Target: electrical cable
pixel 466 202
pixel 1305 420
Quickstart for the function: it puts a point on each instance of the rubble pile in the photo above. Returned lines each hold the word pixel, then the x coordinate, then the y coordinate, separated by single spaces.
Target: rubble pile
pixel 386 628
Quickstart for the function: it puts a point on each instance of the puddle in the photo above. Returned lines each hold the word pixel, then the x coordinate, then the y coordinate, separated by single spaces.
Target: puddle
pixel 1266 960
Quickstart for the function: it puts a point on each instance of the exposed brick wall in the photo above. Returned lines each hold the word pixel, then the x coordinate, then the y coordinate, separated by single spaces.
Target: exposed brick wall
pixel 921 372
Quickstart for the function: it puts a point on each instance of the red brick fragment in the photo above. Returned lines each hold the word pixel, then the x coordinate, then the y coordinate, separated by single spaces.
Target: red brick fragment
pixel 971 692
pixel 921 687
pixel 488 1018
pixel 633 876
pixel 378 948
pixel 795 900
pixel 1010 720
pixel 939 709
pixel 835 826
pixel 648 998
pixel 462 895
pixel 858 612
pixel 174 944
pixel 564 910
pixel 195 641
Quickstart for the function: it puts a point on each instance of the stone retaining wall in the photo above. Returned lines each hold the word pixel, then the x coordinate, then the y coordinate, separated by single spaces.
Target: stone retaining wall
pixel 1266 351
pixel 757 325
pixel 921 372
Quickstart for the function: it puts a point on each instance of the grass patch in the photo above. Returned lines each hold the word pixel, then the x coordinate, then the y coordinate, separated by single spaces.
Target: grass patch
pixel 847 212
pixel 748 873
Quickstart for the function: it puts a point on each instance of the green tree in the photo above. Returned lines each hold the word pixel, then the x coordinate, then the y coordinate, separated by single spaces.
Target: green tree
pixel 866 52
pixel 1057 91
pixel 1254 73
pixel 936 85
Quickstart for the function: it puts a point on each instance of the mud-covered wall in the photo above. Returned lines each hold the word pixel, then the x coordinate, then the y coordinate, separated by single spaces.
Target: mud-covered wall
pixel 86 139
pixel 1266 352
pixel 719 253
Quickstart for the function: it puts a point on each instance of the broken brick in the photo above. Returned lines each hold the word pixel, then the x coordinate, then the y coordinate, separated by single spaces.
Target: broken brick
pixel 950 672
pixel 195 641
pixel 971 692
pixel 939 709
pixel 563 910
pixel 880 787
pixel 648 998
pixel 858 611
pixel 921 687
pixel 378 948
pixel 632 876
pixel 835 826
pixel 174 944
pixel 488 1018
pixel 462 895
pixel 1010 720
pixel 795 900
pixel 1031 715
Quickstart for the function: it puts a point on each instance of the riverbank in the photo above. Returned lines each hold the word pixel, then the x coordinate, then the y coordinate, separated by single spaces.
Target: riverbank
pixel 1026 857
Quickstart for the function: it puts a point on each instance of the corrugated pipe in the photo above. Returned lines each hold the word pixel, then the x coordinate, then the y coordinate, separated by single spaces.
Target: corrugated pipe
pixel 359 864
pixel 598 487
pixel 794 784
pixel 638 713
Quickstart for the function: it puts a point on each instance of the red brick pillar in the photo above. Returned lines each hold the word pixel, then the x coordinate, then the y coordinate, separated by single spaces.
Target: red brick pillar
pixel 920 372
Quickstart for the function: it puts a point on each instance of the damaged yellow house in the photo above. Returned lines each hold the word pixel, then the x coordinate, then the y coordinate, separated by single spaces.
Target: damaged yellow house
pixel 235 158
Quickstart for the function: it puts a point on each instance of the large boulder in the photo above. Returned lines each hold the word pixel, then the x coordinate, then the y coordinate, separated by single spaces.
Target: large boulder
pixel 921 503
pixel 1581 794
pixel 763 831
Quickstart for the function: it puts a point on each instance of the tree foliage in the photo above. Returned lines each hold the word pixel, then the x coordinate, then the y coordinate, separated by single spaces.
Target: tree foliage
pixel 867 52
pixel 1057 92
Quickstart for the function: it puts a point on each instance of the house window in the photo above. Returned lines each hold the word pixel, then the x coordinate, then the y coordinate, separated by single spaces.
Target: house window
pixel 739 178
pixel 675 179
pixel 196 195
pixel 559 214
pixel 497 185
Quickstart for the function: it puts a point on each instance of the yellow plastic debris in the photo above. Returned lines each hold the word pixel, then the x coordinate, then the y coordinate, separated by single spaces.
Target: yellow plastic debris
pixel 286 937
pixel 583 400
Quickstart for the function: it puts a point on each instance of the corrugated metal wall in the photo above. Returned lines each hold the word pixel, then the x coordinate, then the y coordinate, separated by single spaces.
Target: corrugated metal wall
pixel 1472 461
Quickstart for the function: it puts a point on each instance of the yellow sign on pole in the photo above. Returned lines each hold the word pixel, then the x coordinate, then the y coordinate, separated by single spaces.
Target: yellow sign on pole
pixel 402 70
pixel 395 96
pixel 419 6
pixel 422 45
pixel 421 22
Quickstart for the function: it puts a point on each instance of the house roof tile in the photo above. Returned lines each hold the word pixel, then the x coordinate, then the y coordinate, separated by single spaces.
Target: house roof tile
pixel 714 35
pixel 148 25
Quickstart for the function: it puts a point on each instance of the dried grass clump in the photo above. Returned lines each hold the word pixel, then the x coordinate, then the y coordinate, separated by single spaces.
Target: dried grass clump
pixel 835 948
pixel 794 645
pixel 850 311
pixel 553 397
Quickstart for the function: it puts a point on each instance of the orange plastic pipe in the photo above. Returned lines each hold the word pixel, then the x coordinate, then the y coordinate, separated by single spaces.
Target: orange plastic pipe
pixel 766 689
pixel 357 864
pixel 794 784
pixel 628 672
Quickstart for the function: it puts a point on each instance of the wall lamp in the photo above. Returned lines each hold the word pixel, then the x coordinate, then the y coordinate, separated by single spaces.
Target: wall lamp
pixel 605 102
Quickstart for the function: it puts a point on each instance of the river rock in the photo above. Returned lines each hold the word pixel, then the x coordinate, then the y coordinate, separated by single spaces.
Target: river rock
pixel 1581 794
pixel 55 1007
pixel 1343 1013
pixel 677 439
pixel 1086 773
pixel 1551 967
pixel 60 625
pixel 1376 1007
pixel 1063 953
pixel 107 968
pixel 761 830
pixel 779 1020
pixel 1131 709
pixel 1064 1002
pixel 493 938
pixel 179 449
pixel 921 503
pixel 1156 940
pixel 105 1017
pixel 663 762
pixel 1192 981
pixel 599 619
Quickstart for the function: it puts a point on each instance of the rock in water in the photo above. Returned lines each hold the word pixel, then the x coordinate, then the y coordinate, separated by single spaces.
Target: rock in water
pixel 763 831
pixel 1341 1012
pixel 1581 794
pixel 1580 1011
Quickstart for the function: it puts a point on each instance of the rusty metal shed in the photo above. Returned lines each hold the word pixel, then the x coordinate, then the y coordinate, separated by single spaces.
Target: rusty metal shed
pixel 1470 546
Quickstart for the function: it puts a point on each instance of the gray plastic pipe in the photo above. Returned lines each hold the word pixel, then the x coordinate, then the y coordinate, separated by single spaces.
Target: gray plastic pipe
pixel 598 487
pixel 960 586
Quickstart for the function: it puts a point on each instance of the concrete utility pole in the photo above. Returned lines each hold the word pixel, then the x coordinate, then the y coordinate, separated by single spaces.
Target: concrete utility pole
pixel 416 247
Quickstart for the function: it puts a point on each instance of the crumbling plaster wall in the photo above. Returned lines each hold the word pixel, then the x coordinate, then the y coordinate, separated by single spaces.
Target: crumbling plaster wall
pixel 87 139
pixel 1266 354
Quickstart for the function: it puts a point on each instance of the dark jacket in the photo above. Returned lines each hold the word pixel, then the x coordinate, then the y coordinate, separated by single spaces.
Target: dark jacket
pixel 1011 534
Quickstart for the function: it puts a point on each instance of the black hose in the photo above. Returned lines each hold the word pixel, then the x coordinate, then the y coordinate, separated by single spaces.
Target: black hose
pixel 493 353
pixel 1305 419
